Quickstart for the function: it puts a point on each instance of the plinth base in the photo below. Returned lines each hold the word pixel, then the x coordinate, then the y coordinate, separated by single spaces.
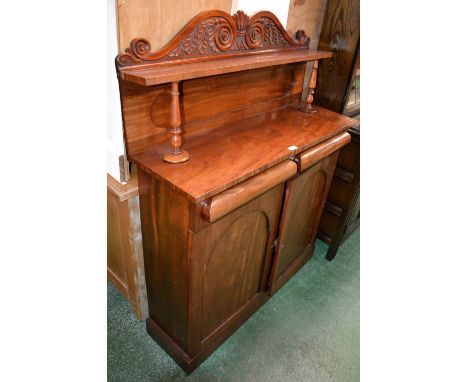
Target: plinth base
pixel 168 156
pixel 307 108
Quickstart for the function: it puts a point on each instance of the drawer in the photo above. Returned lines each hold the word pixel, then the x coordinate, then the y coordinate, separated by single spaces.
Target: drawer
pixel 309 157
pixel 234 197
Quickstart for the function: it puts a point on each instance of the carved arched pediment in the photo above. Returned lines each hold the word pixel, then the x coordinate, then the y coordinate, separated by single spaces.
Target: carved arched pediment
pixel 216 34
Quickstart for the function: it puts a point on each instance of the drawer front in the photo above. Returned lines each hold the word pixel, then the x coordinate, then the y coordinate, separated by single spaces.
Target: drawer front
pixel 227 201
pixel 309 157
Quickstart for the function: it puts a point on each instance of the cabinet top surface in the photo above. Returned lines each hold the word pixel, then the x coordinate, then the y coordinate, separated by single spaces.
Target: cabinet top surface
pixel 224 157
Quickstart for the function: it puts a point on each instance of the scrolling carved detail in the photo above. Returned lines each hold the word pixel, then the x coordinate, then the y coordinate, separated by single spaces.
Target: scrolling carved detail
pixel 214 34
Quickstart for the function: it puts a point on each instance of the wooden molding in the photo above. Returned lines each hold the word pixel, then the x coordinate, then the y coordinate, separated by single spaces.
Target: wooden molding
pixel 123 192
pixel 232 198
pixel 216 34
pixel 333 208
pixel 343 174
pixel 309 157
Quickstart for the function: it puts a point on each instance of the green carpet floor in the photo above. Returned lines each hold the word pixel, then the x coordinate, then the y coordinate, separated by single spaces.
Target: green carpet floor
pixel 308 331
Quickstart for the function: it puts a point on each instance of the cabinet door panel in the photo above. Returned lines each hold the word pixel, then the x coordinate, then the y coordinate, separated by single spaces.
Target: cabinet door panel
pixel 304 201
pixel 236 252
pixel 234 271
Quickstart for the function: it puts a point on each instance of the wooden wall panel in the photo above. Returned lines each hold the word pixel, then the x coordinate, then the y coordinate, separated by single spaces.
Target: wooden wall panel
pixel 159 20
pixel 307 15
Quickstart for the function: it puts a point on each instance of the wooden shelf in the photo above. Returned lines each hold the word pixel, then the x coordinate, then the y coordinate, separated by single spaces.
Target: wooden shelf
pixel 226 156
pixel 154 74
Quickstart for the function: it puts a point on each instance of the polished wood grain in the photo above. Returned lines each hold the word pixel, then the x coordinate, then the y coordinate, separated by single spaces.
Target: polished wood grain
pixel 340 34
pixel 215 35
pixel 306 196
pixel 162 74
pixel 234 197
pixel 226 156
pixel 212 43
pixel 237 251
pixel 307 106
pixel 228 227
pixel 309 157
pixel 146 111
pixel 203 284
pixel 175 154
pixel 164 224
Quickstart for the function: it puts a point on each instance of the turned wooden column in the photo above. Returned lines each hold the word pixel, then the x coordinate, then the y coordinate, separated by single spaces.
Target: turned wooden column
pixel 175 154
pixel 307 107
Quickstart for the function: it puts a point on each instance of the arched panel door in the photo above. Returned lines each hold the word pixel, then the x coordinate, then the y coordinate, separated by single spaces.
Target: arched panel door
pixel 233 274
pixel 236 253
pixel 305 198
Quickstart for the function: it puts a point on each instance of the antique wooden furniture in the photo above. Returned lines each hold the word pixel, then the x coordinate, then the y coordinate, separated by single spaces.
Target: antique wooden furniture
pixel 125 265
pixel 338 90
pixel 232 175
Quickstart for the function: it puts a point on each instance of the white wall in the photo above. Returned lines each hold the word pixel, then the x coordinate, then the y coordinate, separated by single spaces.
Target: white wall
pixel 280 8
pixel 115 143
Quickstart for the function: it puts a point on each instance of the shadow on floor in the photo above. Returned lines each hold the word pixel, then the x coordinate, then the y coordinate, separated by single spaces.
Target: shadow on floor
pixel 308 331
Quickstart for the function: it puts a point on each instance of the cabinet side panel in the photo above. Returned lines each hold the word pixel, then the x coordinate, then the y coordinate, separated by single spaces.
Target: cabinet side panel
pixel 164 221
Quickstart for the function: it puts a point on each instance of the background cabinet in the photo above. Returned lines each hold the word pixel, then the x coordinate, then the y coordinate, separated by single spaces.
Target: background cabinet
pixel 341 214
pixel 338 89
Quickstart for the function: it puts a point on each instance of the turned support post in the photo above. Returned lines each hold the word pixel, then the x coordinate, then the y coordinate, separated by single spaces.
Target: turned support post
pixel 307 107
pixel 175 154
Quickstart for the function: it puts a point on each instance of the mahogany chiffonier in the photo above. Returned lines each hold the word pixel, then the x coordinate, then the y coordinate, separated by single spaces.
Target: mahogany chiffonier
pixel 233 171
